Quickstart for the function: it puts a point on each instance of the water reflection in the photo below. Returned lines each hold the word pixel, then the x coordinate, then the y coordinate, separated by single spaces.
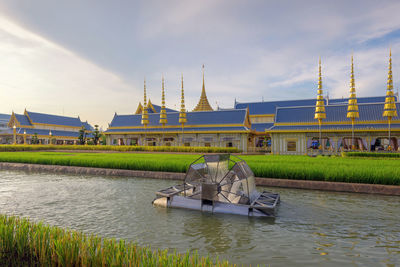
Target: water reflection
pixel 312 228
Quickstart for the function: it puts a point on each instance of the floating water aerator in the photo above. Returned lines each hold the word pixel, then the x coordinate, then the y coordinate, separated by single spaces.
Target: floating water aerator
pixel 220 183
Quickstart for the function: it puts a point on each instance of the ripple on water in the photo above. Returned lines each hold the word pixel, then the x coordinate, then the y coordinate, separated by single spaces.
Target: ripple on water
pixel 312 227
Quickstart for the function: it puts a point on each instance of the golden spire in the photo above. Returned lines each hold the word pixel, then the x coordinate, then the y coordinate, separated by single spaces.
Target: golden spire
pixel 352 108
pixel 203 104
pixel 163 113
pixel 390 103
pixel 145 116
pixel 320 105
pixel 182 113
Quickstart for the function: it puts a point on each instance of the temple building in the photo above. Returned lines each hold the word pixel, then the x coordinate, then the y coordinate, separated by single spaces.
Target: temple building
pixel 281 127
pixel 362 124
pixel 153 125
pixel 22 128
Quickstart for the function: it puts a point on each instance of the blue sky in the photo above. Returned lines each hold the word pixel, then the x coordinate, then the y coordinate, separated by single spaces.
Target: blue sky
pixel 89 58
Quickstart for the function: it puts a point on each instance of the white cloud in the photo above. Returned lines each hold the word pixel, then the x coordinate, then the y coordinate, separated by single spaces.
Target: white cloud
pixel 251 49
pixel 45 77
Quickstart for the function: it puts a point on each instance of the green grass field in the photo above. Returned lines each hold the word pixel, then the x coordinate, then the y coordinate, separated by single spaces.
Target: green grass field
pixel 189 149
pixel 339 169
pixel 24 243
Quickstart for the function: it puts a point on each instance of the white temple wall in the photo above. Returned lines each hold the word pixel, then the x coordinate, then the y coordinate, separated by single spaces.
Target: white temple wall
pixel 56 128
pixel 288 143
pixel 238 140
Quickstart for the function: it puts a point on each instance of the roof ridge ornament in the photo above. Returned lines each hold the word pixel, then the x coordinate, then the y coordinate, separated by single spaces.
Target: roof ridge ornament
pixel 203 104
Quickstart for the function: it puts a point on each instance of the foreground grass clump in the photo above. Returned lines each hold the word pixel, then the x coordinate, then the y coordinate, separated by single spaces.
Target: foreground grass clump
pixel 24 243
pixel 6 148
pixel 334 169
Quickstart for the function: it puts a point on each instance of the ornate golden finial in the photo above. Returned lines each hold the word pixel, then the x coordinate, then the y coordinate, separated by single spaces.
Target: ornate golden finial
pixel 163 113
pixel 145 116
pixel 320 104
pixel 202 70
pixel 203 104
pixel 352 108
pixel 390 110
pixel 182 113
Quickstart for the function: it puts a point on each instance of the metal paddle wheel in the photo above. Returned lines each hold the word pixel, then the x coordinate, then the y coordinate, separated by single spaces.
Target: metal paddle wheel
pixel 220 183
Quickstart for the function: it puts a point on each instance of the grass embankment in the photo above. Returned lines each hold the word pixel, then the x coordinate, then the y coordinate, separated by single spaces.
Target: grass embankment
pixel 13 148
pixel 335 169
pixel 24 243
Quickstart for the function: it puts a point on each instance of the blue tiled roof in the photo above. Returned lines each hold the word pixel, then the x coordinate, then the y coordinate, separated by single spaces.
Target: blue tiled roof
pixel 87 126
pixel 376 126
pixel 219 118
pixel 360 100
pixel 54 119
pixel 5 117
pixel 368 112
pixel 186 130
pixel 270 106
pixel 54 133
pixel 158 109
pixel 23 120
pixel 261 127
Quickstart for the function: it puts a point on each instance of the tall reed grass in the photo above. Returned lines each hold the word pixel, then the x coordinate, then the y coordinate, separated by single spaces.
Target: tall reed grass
pixel 10 148
pixel 335 169
pixel 25 243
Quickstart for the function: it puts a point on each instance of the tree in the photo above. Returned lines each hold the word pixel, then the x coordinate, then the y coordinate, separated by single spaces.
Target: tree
pixel 82 135
pixel 96 135
pixel 35 139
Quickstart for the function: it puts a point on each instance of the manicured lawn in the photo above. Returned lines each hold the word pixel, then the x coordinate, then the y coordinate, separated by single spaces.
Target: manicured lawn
pixel 340 169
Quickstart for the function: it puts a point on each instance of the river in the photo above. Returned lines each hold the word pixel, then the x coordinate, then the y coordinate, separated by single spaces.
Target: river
pixel 311 227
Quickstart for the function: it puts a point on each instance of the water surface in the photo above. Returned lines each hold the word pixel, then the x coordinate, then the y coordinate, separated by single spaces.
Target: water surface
pixel 312 227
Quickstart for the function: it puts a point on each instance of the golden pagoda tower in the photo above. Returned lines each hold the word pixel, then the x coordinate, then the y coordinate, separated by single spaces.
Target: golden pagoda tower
pixel 145 116
pixel 352 107
pixel 390 110
pixel 203 104
pixel 163 114
pixel 182 113
pixel 320 105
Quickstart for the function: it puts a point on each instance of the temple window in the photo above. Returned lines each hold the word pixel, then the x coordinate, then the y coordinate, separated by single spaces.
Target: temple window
pixel 291 146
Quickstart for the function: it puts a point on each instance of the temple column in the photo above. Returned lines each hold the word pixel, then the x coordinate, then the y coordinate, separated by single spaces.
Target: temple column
pixel 335 142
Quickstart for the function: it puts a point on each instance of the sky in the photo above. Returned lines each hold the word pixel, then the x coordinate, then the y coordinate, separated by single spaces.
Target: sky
pixel 89 58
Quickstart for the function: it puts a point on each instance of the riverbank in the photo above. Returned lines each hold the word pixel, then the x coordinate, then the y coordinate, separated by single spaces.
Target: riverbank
pixel 270 182
pixel 330 169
